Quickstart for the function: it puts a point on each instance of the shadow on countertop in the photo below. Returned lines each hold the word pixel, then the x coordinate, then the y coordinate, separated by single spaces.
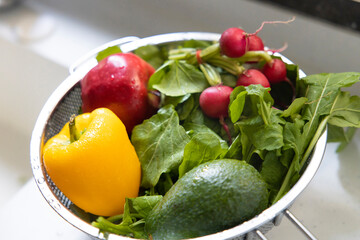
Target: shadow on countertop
pixel 344 13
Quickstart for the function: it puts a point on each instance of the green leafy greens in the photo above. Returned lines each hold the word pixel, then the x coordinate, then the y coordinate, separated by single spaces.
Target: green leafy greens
pixel 159 143
pixel 178 78
pixel 277 141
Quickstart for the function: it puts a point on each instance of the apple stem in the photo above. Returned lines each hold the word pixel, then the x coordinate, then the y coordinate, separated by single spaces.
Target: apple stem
pixel 74 133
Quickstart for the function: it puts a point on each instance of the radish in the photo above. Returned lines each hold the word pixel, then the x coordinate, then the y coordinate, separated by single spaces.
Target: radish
pixel 275 71
pixel 214 102
pixel 233 42
pixel 255 43
pixel 252 76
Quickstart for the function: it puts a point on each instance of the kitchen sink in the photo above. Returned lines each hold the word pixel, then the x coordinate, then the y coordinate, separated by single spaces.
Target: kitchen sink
pixel 26 80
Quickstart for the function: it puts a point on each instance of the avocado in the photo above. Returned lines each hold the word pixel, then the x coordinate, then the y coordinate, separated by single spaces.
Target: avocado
pixel 212 197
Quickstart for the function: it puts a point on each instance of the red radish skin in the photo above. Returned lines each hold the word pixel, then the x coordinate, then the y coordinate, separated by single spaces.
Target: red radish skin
pixel 233 42
pixel 214 101
pixel 255 43
pixel 275 71
pixel 252 76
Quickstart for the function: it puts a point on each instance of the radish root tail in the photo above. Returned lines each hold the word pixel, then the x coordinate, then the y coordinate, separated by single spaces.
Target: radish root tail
pixel 272 22
pixel 226 128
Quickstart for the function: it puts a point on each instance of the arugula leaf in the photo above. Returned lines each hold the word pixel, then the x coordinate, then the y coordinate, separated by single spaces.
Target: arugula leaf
pixel 324 99
pixel 135 229
pixel 322 92
pixel 132 221
pixel 264 136
pixel 237 105
pixel 272 170
pixel 258 137
pixel 293 140
pixel 346 111
pixel 127 226
pixel 258 102
pixel 203 147
pixel 261 125
pixel 294 109
pixel 178 78
pixel 107 52
pixel 159 142
pixel 340 135
pixel 200 128
pixel 332 80
pixel 235 149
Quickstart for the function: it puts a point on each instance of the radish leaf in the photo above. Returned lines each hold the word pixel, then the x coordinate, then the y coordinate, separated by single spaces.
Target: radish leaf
pixel 178 78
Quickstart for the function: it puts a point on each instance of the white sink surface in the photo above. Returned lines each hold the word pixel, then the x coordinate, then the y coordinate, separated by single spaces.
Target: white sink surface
pixel 40 39
pixel 26 80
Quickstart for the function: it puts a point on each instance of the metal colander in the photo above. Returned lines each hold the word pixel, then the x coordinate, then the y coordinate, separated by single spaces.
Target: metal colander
pixel 66 100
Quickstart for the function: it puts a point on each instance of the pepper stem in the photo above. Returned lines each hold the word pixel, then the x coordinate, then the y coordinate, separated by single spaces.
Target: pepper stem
pixel 74 133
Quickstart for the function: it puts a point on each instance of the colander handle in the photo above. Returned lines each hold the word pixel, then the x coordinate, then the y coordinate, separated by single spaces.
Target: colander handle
pixel 94 52
pixel 296 222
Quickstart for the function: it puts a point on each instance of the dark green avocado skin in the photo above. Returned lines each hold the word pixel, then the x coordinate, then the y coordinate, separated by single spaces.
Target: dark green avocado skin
pixel 212 197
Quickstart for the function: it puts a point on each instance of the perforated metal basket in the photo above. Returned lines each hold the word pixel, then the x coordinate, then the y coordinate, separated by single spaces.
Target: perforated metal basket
pixel 66 100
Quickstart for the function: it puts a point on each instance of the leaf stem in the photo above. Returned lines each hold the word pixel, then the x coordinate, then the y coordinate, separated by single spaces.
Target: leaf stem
pixel 211 75
pixel 206 53
pixel 254 56
pixel 286 183
pixel 314 140
pixel 265 109
pixel 181 54
pixel 116 218
pixel 168 178
pixel 228 65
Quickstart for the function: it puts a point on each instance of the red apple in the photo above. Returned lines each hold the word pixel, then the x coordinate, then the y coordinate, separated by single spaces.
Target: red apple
pixel 119 82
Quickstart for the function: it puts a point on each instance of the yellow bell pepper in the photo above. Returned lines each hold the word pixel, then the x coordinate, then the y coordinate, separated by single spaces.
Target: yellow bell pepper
pixel 95 166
